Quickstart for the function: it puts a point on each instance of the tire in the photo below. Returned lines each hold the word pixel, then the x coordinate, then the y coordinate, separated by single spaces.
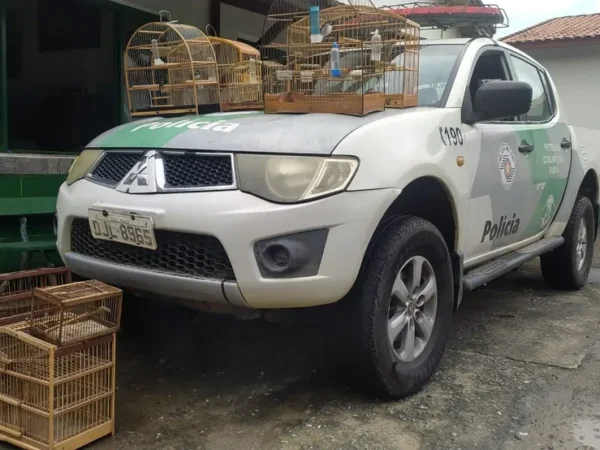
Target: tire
pixel 560 267
pixel 388 372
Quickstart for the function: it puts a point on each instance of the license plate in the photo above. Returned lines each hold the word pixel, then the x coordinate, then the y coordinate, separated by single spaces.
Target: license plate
pixel 131 229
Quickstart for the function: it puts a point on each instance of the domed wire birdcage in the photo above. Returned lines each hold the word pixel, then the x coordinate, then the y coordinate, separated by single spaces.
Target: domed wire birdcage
pixel 170 68
pixel 335 56
pixel 239 74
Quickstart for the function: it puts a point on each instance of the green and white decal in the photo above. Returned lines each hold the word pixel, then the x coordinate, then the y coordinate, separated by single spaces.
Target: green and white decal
pixel 248 131
pixel 517 184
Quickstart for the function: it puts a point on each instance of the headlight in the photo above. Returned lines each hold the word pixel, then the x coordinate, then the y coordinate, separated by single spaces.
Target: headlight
pixel 82 165
pixel 289 179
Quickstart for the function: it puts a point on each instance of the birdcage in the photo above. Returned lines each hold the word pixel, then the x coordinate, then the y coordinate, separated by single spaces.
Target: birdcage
pixel 16 290
pixel 401 41
pixel 75 312
pixel 333 56
pixel 55 398
pixel 170 68
pixel 239 74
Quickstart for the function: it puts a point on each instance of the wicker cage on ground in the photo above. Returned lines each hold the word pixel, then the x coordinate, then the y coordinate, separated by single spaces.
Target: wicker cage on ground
pixel 16 290
pixel 170 69
pixel 240 74
pixel 75 312
pixel 54 397
pixel 336 56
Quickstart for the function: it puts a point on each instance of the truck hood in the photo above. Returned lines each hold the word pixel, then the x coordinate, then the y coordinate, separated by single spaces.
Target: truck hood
pixel 251 131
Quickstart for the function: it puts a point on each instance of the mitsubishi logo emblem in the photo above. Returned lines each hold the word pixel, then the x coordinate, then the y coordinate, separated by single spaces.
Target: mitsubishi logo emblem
pixel 141 179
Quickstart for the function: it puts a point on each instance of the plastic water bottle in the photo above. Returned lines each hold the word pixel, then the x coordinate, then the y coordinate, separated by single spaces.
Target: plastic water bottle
pixel 156 53
pixel 252 68
pixel 336 70
pixel 376 46
pixel 314 20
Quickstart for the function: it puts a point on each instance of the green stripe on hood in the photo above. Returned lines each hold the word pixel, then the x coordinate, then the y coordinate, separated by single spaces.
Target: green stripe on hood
pixel 158 132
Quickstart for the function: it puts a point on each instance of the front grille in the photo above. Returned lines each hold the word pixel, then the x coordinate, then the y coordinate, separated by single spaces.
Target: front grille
pixel 113 167
pixel 197 171
pixel 182 254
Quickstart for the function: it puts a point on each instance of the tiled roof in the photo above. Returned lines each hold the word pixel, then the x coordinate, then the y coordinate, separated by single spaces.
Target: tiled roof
pixel 558 29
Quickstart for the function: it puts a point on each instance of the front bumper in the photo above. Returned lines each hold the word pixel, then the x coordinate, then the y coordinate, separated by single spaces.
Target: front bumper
pixel 238 221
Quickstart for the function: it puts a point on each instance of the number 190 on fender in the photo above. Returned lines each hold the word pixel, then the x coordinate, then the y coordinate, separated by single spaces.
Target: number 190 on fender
pixel 130 229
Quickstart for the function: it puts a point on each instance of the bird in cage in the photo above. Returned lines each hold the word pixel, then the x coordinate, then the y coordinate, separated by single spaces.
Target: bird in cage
pixel 326 29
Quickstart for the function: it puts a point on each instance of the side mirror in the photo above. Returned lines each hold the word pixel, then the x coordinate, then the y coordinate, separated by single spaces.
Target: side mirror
pixel 502 99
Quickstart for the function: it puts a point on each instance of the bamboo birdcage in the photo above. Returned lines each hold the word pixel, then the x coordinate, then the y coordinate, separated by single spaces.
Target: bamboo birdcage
pixel 75 312
pixel 400 54
pixel 304 36
pixel 55 398
pixel 170 68
pixel 16 290
pixel 240 74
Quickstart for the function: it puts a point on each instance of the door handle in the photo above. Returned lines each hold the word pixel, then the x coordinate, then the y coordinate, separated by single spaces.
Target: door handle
pixel 565 144
pixel 526 147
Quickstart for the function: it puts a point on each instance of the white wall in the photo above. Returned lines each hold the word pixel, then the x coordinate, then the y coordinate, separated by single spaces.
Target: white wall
pixel 576 72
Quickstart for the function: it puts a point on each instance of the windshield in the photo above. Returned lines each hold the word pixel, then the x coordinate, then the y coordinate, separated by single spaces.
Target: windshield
pixel 435 67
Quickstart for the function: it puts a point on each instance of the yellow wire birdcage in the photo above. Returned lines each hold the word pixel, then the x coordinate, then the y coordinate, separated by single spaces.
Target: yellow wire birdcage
pixel 336 56
pixel 52 397
pixel 170 68
pixel 239 74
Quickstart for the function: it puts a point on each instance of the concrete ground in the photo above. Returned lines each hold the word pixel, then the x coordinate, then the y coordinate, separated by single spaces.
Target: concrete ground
pixel 522 372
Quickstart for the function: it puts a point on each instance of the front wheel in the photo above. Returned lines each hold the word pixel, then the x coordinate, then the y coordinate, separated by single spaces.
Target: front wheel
pixel 568 266
pixel 402 307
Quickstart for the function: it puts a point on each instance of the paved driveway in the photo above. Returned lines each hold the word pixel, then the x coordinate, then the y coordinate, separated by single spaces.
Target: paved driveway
pixel 522 372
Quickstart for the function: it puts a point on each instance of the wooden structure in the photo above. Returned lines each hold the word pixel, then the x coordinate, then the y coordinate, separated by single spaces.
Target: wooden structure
pixel 240 74
pixel 75 312
pixel 170 69
pixel 400 54
pixel 16 290
pixel 337 57
pixel 55 398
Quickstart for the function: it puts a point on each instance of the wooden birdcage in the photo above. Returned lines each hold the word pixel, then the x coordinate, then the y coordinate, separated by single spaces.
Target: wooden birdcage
pixel 55 398
pixel 240 74
pixel 16 290
pixel 170 69
pixel 75 312
pixel 333 55
pixel 401 41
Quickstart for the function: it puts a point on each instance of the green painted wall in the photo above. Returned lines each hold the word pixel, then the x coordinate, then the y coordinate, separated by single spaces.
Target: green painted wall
pixel 33 197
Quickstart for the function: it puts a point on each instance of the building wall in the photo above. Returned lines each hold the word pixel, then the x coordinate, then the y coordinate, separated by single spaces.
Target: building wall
pixel 237 23
pixel 190 12
pixel 575 71
pixel 68 68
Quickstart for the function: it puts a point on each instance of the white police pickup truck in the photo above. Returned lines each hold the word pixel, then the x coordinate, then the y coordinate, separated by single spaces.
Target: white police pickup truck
pixel 393 215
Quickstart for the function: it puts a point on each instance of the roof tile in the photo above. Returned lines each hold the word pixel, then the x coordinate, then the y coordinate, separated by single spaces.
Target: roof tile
pixel 558 29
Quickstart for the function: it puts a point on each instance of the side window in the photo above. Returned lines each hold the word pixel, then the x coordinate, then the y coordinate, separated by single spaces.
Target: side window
pixel 540 106
pixel 491 65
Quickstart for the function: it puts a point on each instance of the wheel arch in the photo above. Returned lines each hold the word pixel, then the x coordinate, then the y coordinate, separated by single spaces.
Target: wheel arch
pixel 589 188
pixel 429 198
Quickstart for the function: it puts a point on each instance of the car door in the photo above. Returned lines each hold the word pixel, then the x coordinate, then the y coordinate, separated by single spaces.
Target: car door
pixel 502 194
pixel 547 138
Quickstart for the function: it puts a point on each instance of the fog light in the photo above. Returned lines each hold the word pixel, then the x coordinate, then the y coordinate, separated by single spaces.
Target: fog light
pixel 277 256
pixel 281 256
pixel 295 255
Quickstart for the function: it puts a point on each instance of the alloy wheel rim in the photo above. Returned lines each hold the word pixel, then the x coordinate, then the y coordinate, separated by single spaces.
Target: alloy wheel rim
pixel 413 309
pixel 581 247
